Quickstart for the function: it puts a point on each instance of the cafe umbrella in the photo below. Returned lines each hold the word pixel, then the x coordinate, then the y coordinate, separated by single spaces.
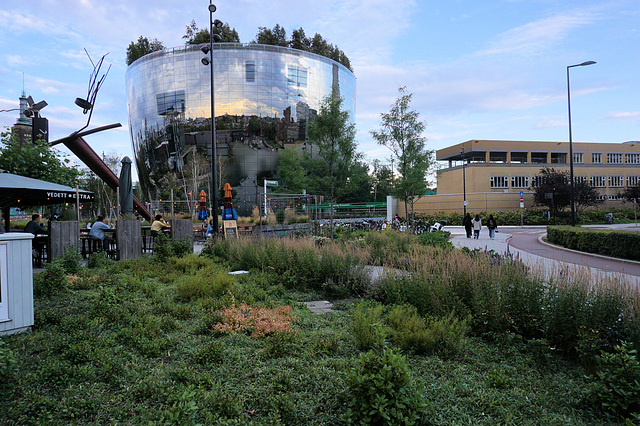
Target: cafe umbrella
pixel 203 214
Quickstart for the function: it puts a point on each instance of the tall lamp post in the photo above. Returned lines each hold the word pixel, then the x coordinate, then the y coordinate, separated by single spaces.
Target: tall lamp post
pixel 573 197
pixel 214 154
pixel 464 184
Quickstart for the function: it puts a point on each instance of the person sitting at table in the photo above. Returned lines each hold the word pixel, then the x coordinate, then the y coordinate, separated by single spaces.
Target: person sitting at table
pixel 34 226
pixel 97 232
pixel 158 225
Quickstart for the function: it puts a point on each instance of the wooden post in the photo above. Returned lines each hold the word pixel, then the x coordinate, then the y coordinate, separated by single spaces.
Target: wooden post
pixel 61 236
pixel 129 239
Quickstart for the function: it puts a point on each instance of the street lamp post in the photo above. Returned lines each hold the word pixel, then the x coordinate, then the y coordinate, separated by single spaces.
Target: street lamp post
pixel 464 184
pixel 214 154
pixel 573 198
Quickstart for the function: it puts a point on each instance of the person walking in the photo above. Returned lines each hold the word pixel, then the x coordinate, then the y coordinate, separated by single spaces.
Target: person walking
pixel 492 225
pixel 466 222
pixel 477 226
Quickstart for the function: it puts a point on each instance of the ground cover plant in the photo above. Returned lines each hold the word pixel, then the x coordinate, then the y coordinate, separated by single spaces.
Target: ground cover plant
pixel 445 337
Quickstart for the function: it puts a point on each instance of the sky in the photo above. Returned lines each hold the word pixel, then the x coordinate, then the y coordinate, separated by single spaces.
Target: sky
pixel 490 69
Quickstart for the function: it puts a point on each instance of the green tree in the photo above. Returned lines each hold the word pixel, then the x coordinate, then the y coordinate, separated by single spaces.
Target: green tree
pixel 630 193
pixel 552 188
pixel 401 132
pixel 142 47
pixel 299 40
pixel 195 35
pixel 334 135
pixel 292 170
pixel 381 180
pixel 274 37
pixel 36 160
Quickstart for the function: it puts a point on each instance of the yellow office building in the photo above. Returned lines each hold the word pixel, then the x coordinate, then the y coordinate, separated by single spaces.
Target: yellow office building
pixel 493 173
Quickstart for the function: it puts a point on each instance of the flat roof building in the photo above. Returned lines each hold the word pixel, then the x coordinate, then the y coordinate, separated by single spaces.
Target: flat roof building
pixel 493 173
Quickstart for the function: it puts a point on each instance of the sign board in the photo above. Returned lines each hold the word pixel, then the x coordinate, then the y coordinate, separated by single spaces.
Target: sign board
pixel 271 182
pixel 521 194
pixel 230 228
pixel 466 203
pixel 521 205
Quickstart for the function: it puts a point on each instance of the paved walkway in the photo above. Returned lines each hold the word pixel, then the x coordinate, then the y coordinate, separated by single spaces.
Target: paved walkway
pixel 552 261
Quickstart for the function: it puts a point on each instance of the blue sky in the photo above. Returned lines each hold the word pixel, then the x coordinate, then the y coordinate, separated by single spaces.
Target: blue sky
pixel 491 69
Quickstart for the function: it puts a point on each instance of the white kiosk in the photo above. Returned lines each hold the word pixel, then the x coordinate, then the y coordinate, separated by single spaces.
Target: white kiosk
pixel 16 282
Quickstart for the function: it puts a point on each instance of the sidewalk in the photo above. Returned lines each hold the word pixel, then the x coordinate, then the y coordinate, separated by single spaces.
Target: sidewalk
pixel 557 262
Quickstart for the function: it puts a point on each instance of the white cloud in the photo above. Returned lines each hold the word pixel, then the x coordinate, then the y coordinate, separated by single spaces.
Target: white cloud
pixel 538 36
pixel 623 114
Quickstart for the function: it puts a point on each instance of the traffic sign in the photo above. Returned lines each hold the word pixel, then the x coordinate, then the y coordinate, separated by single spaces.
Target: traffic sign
pixel 466 203
pixel 271 182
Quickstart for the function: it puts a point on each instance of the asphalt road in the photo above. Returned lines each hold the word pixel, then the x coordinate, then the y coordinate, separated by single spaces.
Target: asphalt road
pixel 527 240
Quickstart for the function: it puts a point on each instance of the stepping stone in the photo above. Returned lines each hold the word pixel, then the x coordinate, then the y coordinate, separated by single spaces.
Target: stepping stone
pixel 319 306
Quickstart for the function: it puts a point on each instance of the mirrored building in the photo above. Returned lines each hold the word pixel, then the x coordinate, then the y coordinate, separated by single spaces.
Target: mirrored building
pixel 264 98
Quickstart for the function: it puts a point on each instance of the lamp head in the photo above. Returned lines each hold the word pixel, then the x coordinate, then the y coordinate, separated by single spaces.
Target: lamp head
pixel 212 8
pixel 205 61
pixel 217 38
pixel 587 63
pixel 217 23
pixel 205 49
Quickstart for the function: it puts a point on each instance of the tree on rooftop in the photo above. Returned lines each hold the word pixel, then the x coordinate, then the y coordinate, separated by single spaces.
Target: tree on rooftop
pixel 195 35
pixel 142 47
pixel 401 132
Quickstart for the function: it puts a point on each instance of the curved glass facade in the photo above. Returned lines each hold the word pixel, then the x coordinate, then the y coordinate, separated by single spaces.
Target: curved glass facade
pixel 264 96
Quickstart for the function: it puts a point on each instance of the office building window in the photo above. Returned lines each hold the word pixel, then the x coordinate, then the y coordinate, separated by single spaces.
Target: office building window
pixel 519 181
pixel 250 71
pixel 297 76
pixel 633 180
pixel 519 157
pixel 598 181
pixel 559 158
pixel 497 157
pixel 580 179
pixel 616 181
pixel 614 158
pixel 499 182
pixel 616 197
pixel 538 157
pixel 632 158
pixel 601 197
pixel 596 157
pixel 577 157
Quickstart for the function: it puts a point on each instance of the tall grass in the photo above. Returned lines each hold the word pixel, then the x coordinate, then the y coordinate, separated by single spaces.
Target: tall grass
pixel 502 295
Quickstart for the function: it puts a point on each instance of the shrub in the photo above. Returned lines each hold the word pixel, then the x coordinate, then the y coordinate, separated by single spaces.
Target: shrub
pixel 615 387
pixel 280 216
pixel 53 280
pixel 98 259
pixel 165 247
pixel 365 315
pixel 381 390
pixel 7 362
pixel 208 282
pixel 210 353
pixel 70 260
pixel 257 321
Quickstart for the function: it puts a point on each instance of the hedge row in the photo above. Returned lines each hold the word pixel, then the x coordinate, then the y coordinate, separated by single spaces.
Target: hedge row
pixel 620 244
pixel 535 216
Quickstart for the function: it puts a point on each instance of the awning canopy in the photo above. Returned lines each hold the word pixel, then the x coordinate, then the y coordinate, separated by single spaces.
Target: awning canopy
pixel 16 191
